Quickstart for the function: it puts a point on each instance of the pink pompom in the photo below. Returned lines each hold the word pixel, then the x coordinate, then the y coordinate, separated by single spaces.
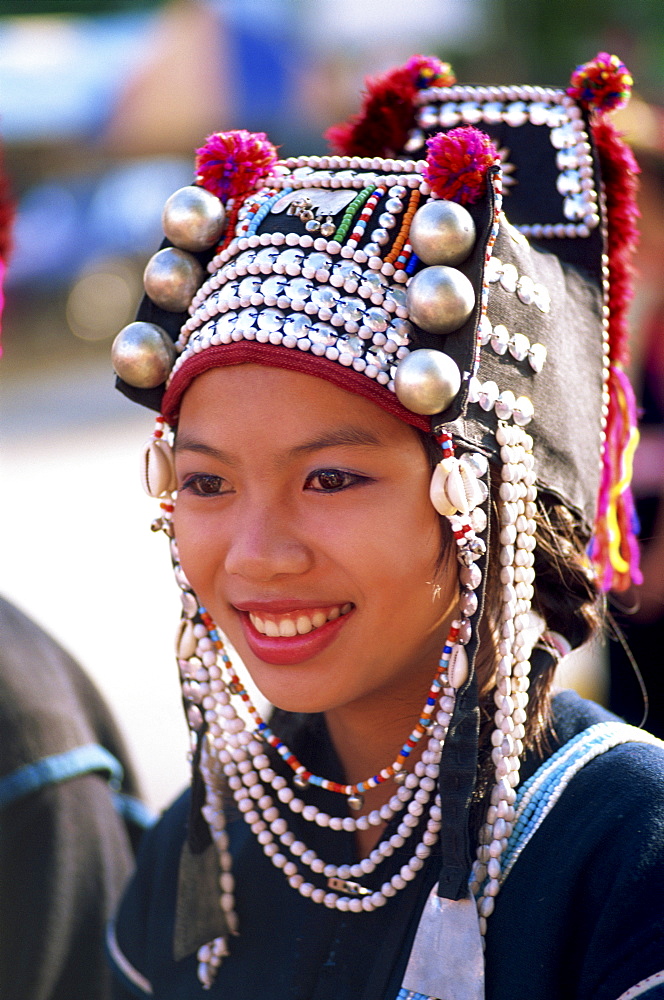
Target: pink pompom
pixel 230 163
pixel 457 163
pixel 603 84
pixel 388 109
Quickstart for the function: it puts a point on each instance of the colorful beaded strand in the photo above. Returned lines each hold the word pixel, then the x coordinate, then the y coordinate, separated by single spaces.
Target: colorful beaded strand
pixel 302 774
pixel 405 227
pixel 356 204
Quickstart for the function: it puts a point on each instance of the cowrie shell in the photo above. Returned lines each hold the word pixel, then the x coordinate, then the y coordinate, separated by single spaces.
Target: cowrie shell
pixel 455 488
pixel 473 490
pixel 457 668
pixel 185 640
pixel 157 468
pixel 437 492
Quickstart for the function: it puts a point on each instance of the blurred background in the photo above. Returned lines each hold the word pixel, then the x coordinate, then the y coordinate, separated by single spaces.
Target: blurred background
pixel 101 107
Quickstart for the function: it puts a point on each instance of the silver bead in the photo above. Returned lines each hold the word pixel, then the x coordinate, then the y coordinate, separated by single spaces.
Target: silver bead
pixel 193 218
pixel 427 381
pixel 194 717
pixel 355 801
pixel 143 355
pixel 465 632
pixel 468 603
pixel 440 299
pixel 442 232
pixel 172 278
pixel 470 576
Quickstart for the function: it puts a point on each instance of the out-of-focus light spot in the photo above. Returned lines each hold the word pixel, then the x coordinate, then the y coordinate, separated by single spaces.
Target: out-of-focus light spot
pixel 103 300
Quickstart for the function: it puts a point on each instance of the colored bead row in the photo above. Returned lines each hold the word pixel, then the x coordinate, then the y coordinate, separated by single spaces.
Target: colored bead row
pixel 305 776
pixel 399 243
pixel 356 204
pixel 366 213
pixel 264 210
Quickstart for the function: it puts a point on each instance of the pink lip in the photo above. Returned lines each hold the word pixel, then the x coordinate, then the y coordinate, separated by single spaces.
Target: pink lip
pixel 284 650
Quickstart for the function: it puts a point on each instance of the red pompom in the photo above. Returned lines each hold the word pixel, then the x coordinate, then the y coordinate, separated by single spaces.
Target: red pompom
pixel 230 163
pixel 388 109
pixel 457 163
pixel 603 84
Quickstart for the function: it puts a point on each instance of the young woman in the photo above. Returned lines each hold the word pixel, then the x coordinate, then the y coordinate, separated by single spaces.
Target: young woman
pixel 393 452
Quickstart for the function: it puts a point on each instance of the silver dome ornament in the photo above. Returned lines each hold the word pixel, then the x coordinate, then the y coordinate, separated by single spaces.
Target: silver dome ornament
pixel 442 232
pixel 440 299
pixel 172 278
pixel 427 381
pixel 157 468
pixel 193 218
pixel 143 355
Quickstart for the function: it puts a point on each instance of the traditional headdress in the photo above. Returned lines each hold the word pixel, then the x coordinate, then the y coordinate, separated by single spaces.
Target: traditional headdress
pixel 390 269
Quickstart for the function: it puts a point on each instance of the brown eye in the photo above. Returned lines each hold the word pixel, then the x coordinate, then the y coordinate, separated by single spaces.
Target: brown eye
pixel 207 486
pixel 332 480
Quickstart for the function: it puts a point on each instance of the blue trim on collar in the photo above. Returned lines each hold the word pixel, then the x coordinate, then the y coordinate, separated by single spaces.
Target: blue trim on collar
pixel 60 767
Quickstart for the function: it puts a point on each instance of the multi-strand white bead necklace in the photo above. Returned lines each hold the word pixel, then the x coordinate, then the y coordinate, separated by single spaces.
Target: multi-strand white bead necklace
pixel 234 757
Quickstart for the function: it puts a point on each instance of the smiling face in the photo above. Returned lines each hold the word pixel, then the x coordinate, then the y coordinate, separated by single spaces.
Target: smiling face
pixel 305 528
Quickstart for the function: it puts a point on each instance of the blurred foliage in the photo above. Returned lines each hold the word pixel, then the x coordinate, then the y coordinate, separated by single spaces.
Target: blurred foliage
pixel 14 8
pixel 541 41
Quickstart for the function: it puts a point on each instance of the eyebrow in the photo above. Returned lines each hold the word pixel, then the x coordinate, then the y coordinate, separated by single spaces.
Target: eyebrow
pixel 183 443
pixel 339 437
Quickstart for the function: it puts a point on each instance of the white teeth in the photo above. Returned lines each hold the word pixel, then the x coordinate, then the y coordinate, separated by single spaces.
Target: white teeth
pixel 301 625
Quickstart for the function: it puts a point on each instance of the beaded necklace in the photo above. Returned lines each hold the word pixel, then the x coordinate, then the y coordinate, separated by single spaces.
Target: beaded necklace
pixel 304 777
pixel 233 756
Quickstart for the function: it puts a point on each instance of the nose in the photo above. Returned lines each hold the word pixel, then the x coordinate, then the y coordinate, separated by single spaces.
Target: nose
pixel 266 544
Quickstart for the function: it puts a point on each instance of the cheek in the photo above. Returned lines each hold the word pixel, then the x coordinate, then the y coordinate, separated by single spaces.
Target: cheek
pixel 198 548
pixel 410 558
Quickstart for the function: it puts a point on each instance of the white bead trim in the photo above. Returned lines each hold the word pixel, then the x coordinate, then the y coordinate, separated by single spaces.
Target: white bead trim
pixel 516 507
pixel 489 396
pixel 518 345
pixel 445 107
pixel 529 292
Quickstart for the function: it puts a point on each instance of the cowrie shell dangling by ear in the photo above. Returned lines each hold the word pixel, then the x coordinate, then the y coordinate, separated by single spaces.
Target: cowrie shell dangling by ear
pixel 437 491
pixel 457 668
pixel 157 468
pixel 455 488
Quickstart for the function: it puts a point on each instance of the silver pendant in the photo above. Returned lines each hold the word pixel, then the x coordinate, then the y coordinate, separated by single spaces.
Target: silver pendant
pixel 446 960
pixel 321 199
